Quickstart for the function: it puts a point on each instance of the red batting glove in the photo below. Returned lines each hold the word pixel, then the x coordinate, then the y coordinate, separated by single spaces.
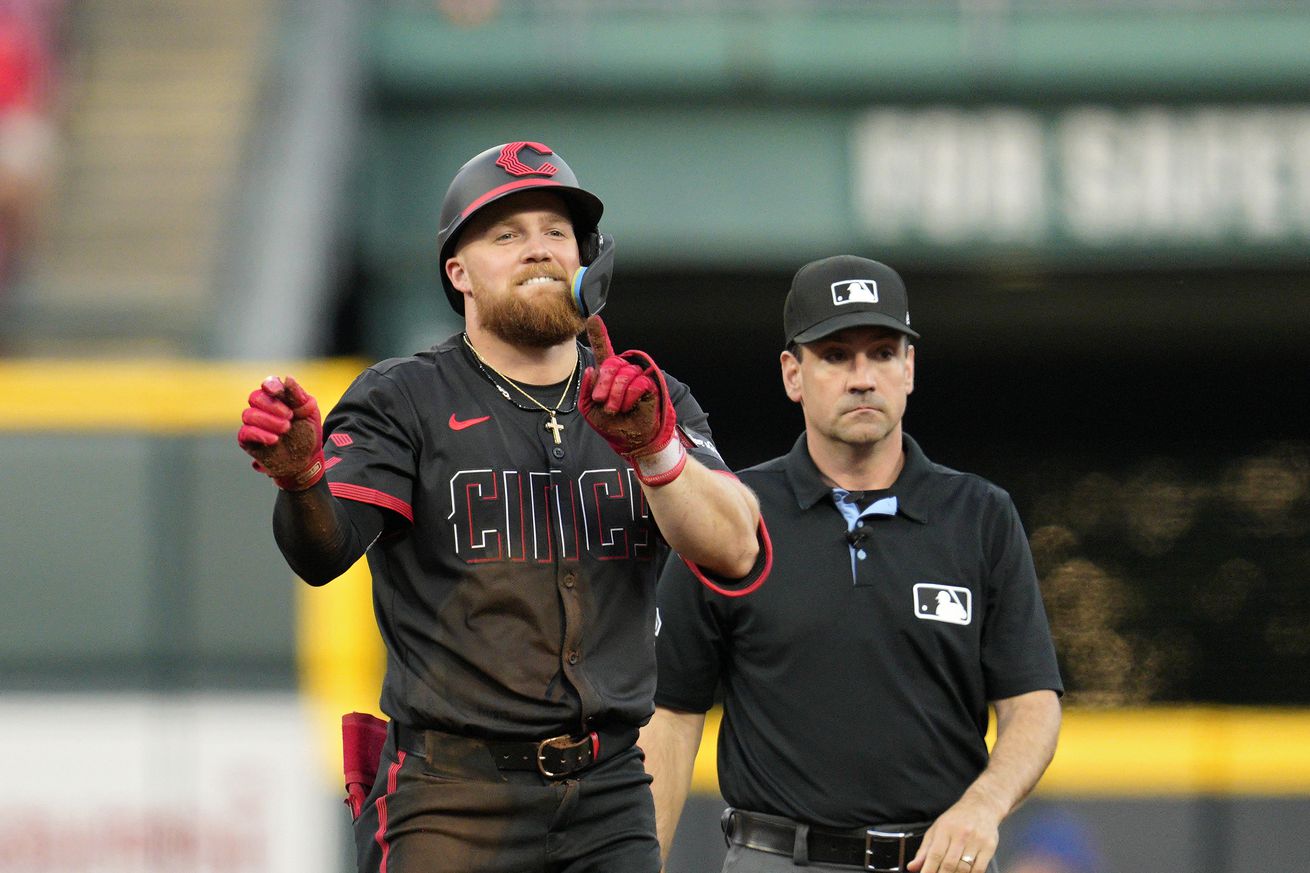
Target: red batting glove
pixel 283 431
pixel 625 400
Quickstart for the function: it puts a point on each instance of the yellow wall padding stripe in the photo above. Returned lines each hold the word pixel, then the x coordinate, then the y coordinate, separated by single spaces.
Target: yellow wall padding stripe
pixel 163 395
pixel 1180 751
pixel 1164 751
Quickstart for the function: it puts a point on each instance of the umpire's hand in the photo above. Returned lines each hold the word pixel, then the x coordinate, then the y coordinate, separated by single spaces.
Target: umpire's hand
pixel 282 430
pixel 962 840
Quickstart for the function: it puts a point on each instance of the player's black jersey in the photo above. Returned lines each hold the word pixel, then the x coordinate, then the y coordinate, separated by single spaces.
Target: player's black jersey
pixel 514 589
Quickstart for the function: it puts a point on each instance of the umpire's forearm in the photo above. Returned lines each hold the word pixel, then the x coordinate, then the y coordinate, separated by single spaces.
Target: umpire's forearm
pixel 670 742
pixel 709 518
pixel 1027 729
pixel 316 534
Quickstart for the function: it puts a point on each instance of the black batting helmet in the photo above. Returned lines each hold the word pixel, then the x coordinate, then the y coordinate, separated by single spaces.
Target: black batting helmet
pixel 509 169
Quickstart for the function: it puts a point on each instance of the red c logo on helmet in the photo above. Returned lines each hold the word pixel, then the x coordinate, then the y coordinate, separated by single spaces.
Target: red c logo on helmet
pixel 509 160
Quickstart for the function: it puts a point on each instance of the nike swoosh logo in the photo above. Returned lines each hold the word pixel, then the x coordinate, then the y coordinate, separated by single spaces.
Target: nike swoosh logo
pixel 456 424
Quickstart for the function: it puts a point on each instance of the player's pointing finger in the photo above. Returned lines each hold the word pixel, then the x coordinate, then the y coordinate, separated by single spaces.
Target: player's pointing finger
pixel 599 337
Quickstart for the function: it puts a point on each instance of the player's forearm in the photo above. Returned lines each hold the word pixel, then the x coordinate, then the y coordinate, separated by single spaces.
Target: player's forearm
pixel 316 535
pixel 1027 729
pixel 709 518
pixel 670 742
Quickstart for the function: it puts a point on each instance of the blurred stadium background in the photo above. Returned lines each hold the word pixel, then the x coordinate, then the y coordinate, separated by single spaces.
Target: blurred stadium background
pixel 1102 210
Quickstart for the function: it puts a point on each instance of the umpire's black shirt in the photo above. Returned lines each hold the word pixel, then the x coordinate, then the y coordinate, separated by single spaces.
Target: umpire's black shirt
pixel 856 677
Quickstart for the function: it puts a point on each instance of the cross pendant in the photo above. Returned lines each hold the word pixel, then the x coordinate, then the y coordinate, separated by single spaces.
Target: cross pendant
pixel 554 427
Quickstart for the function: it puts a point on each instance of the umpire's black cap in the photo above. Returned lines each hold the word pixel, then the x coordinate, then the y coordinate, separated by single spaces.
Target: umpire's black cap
pixel 499 172
pixel 844 291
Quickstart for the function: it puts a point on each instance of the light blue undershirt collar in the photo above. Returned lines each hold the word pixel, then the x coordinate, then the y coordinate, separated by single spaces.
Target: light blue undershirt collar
pixel 850 510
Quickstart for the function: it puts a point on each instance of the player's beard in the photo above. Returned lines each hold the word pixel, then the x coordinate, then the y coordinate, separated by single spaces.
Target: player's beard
pixel 538 321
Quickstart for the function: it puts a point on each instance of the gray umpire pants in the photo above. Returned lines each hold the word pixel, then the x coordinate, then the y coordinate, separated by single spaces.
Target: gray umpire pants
pixel 743 860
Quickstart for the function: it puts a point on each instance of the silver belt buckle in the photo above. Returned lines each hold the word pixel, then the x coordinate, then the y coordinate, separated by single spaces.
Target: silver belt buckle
pixel 872 834
pixel 541 755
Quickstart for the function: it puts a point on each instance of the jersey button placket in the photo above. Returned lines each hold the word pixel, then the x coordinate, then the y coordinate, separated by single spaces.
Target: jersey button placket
pixel 569 586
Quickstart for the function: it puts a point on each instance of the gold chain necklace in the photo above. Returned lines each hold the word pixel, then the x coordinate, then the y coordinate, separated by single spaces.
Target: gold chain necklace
pixel 553 425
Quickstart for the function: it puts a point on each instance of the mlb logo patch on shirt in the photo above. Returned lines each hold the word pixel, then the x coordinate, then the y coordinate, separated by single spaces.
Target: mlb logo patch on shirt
pixel 943 603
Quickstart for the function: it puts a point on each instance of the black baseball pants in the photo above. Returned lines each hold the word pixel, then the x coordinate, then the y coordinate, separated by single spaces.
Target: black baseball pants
pixel 448 809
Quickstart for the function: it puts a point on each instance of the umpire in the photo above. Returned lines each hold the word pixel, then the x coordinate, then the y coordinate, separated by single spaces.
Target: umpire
pixel 901 603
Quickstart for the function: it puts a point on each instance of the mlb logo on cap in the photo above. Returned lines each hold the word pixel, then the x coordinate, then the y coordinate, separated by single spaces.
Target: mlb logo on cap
pixel 855 291
pixel 842 292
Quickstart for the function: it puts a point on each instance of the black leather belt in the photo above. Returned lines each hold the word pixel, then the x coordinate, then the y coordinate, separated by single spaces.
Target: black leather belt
pixel 555 757
pixel 886 848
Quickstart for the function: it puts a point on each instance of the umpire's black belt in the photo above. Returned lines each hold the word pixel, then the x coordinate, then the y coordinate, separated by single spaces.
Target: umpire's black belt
pixel 554 757
pixel 883 848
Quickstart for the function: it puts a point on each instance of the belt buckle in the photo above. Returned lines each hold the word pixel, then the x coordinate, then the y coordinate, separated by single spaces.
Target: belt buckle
pixel 541 755
pixel 872 835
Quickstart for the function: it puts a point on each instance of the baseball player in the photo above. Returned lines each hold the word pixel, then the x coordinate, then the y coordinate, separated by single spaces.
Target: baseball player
pixel 515 492
pixel 902 602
